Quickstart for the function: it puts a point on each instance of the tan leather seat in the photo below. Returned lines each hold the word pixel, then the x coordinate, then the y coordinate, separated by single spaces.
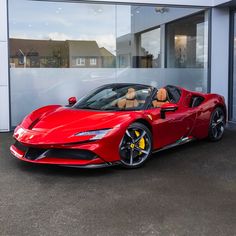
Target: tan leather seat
pixel 161 98
pixel 129 101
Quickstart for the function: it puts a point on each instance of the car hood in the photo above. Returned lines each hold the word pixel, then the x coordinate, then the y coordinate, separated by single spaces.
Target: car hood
pixel 61 125
pixel 69 118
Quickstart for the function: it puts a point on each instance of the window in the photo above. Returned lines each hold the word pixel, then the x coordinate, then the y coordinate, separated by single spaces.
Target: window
pixel 187 42
pixel 93 61
pixel 80 61
pixel 150 52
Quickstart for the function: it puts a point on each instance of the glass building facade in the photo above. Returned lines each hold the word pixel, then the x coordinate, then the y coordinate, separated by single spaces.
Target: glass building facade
pixel 233 76
pixel 63 49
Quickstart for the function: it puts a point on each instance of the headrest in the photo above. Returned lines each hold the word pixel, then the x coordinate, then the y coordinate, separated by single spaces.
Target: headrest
pixel 131 94
pixel 162 95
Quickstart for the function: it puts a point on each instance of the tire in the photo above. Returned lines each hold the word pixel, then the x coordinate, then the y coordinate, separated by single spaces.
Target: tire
pixel 217 125
pixel 136 146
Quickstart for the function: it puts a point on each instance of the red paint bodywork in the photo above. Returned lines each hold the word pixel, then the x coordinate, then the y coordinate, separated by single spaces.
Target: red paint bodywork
pixel 57 125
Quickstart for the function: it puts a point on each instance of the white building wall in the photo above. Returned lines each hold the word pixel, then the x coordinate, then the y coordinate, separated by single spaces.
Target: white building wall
pixel 142 23
pixel 220 52
pixel 218 2
pixel 4 75
pixel 171 2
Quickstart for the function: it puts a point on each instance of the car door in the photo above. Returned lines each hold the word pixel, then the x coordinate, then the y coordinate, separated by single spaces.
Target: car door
pixel 176 124
pixel 168 130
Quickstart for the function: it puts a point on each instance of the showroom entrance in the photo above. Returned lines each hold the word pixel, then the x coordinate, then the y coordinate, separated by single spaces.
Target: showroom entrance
pixel 232 84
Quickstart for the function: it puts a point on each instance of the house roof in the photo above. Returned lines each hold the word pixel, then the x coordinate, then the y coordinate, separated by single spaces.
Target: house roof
pixel 42 47
pixel 105 53
pixel 84 48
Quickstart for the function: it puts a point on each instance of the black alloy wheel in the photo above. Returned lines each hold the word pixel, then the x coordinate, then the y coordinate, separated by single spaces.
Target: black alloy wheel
pixel 135 146
pixel 217 125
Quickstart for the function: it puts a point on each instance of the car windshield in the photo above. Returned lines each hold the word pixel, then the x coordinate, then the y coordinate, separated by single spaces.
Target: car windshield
pixel 116 97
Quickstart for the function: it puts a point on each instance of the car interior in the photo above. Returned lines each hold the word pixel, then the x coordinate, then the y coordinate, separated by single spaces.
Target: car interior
pixel 133 98
pixel 160 98
pixel 166 94
pixel 129 101
pixel 126 98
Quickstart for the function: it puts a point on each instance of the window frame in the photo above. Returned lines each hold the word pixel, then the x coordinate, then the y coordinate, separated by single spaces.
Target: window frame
pixel 78 61
pixel 91 63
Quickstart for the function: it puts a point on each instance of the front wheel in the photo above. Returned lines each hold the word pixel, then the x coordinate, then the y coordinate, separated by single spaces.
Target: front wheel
pixel 217 125
pixel 135 146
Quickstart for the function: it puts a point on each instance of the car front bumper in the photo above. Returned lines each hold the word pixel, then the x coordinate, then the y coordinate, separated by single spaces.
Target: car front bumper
pixel 80 156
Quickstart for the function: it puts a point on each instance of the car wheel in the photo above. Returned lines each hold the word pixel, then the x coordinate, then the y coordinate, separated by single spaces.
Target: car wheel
pixel 135 146
pixel 217 125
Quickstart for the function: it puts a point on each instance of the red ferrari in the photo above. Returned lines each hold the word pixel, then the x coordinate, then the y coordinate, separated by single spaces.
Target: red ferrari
pixel 118 124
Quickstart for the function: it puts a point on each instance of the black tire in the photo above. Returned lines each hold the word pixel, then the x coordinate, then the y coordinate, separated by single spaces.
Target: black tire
pixel 217 125
pixel 136 146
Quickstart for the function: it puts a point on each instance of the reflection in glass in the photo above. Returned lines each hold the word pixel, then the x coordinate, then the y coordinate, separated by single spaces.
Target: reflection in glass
pixel 150 49
pixel 187 42
pixel 56 35
pixel 124 37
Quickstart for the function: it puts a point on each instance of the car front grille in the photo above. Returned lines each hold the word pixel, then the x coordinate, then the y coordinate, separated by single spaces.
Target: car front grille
pixel 32 153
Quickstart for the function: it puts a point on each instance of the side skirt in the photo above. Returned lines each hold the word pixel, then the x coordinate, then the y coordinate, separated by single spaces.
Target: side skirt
pixel 181 141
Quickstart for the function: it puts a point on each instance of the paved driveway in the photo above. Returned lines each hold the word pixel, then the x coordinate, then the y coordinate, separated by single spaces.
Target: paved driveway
pixel 189 190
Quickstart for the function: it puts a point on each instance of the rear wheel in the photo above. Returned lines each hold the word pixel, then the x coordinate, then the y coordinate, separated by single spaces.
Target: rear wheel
pixel 217 125
pixel 135 146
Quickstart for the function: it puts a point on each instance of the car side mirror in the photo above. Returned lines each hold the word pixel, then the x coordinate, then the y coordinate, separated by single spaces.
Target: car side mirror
pixel 167 107
pixel 72 101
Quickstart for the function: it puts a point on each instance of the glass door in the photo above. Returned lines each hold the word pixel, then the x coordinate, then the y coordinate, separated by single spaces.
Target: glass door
pixel 233 79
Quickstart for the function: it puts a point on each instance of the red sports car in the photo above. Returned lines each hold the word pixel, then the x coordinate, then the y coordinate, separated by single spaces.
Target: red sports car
pixel 118 124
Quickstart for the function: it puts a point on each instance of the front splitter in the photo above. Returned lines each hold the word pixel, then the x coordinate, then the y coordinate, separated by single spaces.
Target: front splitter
pixel 94 166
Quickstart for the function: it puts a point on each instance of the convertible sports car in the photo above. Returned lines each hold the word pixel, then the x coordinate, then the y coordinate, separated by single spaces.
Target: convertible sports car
pixel 118 124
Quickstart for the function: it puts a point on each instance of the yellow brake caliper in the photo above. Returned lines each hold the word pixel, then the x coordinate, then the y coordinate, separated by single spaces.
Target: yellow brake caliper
pixel 141 142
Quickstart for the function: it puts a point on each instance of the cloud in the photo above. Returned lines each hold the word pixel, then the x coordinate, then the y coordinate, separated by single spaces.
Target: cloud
pixel 58 36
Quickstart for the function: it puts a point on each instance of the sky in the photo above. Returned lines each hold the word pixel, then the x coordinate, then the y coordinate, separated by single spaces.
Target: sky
pixel 69 21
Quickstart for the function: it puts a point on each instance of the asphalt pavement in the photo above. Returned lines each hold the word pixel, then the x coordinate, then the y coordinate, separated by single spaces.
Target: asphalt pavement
pixel 188 190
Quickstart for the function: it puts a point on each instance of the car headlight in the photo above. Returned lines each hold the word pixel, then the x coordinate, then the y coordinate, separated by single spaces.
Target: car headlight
pixel 97 134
